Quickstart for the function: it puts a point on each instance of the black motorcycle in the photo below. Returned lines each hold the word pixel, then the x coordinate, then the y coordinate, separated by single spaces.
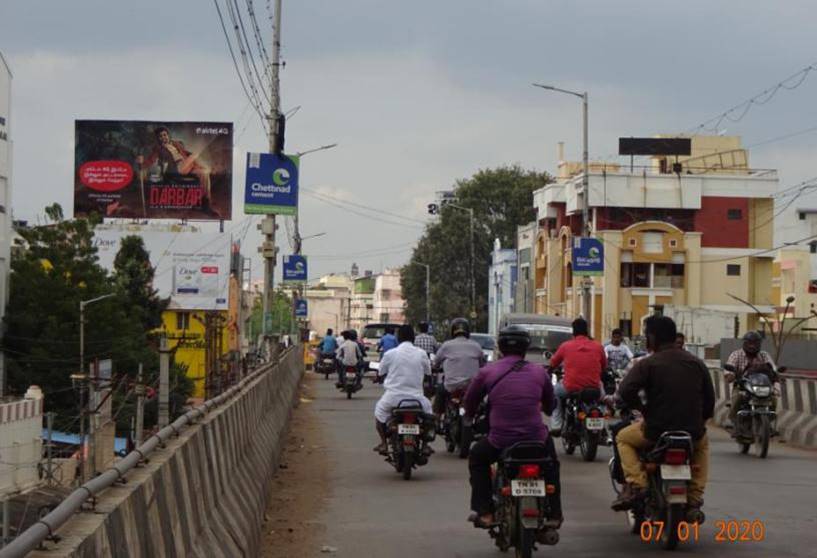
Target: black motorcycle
pixel 352 383
pixel 584 423
pixel 409 435
pixel 326 366
pixel 669 472
pixel 756 418
pixel 458 432
pixel 524 481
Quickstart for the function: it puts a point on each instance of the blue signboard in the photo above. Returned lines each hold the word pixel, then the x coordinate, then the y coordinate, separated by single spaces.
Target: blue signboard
pixel 300 308
pixel 271 186
pixel 588 256
pixel 294 269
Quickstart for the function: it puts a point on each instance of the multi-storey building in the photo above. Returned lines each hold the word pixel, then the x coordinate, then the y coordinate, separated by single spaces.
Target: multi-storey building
pixel 502 279
pixel 387 303
pixel 362 301
pixel 5 195
pixel 691 231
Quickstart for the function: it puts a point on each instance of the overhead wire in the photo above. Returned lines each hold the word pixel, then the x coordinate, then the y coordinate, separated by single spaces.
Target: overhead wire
pixel 331 202
pixel 358 205
pixel 247 51
pixel 252 76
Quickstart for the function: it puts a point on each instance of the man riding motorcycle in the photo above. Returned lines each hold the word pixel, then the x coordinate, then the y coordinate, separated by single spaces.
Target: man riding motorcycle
pixel 460 359
pixel 387 342
pixel 748 357
pixel 680 396
pixel 518 393
pixel 424 340
pixel 584 362
pixel 404 368
pixel 618 353
pixel 329 345
pixel 349 354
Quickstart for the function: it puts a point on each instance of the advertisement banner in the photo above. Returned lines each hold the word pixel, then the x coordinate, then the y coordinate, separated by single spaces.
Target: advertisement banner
pixel 294 270
pixel 135 169
pixel 271 187
pixel 192 268
pixel 301 308
pixel 588 256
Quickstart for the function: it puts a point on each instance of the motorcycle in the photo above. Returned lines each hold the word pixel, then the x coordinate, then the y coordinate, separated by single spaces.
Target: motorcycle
pixel 756 419
pixel 669 472
pixel 584 423
pixel 458 432
pixel 611 378
pixel 326 366
pixel 352 383
pixel 524 478
pixel 409 433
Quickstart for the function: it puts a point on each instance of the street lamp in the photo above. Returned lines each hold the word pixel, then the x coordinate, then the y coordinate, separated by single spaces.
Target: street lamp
pixel 433 209
pixel 91 429
pixel 297 235
pixel 585 186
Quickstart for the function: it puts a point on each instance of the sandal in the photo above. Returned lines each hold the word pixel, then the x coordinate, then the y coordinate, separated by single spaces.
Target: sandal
pixel 478 522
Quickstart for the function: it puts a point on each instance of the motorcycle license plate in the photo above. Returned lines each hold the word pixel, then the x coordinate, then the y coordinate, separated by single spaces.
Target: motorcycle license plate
pixel 594 423
pixel 528 487
pixel 676 472
pixel 408 429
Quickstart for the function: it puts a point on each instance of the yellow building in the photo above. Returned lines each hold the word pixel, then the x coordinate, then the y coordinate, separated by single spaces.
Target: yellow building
pixel 694 231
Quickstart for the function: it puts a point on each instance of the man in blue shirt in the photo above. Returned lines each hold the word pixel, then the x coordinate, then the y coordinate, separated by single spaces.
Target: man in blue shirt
pixel 329 345
pixel 387 342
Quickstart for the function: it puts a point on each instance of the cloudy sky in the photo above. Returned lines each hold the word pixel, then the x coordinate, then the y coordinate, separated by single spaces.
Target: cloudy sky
pixel 416 94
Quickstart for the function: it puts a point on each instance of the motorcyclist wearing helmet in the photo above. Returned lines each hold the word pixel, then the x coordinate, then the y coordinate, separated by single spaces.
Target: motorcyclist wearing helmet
pixel 460 359
pixel 518 392
pixel 748 357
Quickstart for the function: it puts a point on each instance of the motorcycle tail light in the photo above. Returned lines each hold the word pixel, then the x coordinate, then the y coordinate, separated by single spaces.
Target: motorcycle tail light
pixel 351 369
pixel 650 467
pixel 582 415
pixel 550 489
pixel 506 491
pixel 678 490
pixel 675 456
pixel 595 413
pixel 528 471
pixel 532 512
pixel 409 418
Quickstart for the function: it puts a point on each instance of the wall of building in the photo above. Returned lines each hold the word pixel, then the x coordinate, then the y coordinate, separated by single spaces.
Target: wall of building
pixel 6 232
pixel 718 228
pixel 21 428
pixel 501 285
pixel 388 303
pixel 189 343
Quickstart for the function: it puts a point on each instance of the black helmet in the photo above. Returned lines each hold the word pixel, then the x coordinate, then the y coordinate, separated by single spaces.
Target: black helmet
pixel 752 336
pixel 513 339
pixel 460 326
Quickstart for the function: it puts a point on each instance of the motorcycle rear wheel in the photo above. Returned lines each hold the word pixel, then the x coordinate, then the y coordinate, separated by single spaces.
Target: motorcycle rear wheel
pixel 408 465
pixel 524 541
pixel 466 436
pixel 348 394
pixel 744 448
pixel 568 446
pixel 669 538
pixel 589 445
pixel 763 431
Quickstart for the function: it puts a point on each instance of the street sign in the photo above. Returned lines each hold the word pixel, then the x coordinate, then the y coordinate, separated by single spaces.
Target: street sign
pixel 104 369
pixel 294 269
pixel 588 256
pixel 271 186
pixel 301 309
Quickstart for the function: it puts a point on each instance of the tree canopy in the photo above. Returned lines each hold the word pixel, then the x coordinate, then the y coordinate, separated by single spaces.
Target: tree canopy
pixel 502 199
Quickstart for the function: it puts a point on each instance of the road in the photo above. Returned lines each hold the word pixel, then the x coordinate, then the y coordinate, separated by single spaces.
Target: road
pixel 370 511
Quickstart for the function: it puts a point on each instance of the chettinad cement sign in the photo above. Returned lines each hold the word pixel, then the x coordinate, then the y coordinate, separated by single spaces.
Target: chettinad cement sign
pixel 271 186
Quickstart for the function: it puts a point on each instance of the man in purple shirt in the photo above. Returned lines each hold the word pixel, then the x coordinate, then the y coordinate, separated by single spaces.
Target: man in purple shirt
pixel 518 393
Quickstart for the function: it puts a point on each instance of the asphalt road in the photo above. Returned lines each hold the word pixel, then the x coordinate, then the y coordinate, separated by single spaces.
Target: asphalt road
pixel 371 512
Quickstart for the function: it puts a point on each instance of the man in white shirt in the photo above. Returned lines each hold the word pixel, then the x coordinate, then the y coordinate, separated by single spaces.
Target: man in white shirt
pixel 619 355
pixel 348 354
pixel 404 369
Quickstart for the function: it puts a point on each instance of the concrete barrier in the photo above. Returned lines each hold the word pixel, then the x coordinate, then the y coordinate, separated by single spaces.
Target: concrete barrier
pixel 796 408
pixel 205 494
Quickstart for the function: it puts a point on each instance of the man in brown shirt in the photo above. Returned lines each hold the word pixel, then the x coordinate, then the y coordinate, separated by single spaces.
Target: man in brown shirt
pixel 680 396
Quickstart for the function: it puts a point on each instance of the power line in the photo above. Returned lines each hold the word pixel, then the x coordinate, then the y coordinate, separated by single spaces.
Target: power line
pixel 253 101
pixel 355 211
pixel 248 70
pixel 248 52
pixel 362 206
pixel 739 111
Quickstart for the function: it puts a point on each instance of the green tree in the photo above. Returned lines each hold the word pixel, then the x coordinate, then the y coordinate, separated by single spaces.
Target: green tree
pixel 134 275
pixel 502 199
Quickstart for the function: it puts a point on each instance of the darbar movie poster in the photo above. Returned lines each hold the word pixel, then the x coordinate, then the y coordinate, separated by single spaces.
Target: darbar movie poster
pixel 153 170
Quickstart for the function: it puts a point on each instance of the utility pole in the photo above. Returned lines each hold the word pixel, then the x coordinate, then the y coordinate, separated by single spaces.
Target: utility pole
pixel 164 382
pixel 268 225
pixel 140 407
pixel 92 410
pixel 49 417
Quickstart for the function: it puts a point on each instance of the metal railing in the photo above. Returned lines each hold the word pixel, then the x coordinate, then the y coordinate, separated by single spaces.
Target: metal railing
pixel 46 527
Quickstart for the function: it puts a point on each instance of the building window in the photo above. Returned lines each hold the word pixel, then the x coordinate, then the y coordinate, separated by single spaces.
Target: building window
pixel 812 247
pixel 632 242
pixel 673 243
pixel 182 320
pixel 733 269
pixel 734 214
pixel 635 275
pixel 802 215
pixel 668 276
pixel 652 242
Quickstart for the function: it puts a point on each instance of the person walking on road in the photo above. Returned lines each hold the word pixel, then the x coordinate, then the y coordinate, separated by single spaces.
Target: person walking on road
pixel 402 370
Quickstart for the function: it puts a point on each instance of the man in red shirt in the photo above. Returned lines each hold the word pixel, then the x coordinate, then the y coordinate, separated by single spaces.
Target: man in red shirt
pixel 584 362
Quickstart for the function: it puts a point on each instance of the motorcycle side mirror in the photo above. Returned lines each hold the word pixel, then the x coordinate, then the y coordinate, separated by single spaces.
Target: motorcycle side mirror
pixel 729 368
pixel 547 354
pixel 782 369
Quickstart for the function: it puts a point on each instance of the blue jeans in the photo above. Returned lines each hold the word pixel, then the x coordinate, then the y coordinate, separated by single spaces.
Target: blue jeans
pixel 557 418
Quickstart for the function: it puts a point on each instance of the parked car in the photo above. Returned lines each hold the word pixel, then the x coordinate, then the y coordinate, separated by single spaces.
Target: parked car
pixel 488 344
pixel 546 332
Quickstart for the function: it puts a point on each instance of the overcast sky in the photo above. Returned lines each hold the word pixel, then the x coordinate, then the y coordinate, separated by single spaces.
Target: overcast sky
pixel 417 94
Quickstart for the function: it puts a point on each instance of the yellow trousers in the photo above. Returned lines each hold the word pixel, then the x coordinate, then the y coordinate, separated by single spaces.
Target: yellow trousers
pixel 631 439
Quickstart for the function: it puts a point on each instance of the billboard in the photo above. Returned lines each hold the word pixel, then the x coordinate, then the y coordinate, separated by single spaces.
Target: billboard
pixel 136 169
pixel 271 187
pixel 294 270
pixel 192 268
pixel 588 256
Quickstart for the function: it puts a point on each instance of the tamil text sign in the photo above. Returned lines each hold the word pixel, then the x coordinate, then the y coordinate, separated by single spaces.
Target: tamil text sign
pixel 588 256
pixel 272 184
pixel 153 170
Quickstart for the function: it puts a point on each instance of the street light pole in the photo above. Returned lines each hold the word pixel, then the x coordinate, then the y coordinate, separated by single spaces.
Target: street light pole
pixel 587 229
